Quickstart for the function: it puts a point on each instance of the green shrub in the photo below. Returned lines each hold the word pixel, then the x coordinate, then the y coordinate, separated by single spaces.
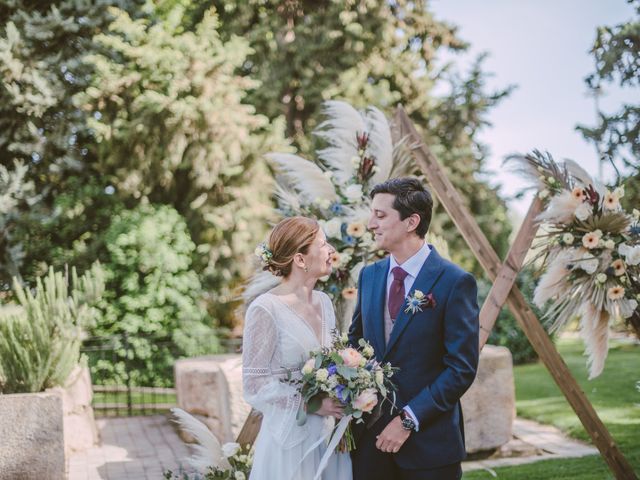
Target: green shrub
pixel 506 331
pixel 153 298
pixel 40 339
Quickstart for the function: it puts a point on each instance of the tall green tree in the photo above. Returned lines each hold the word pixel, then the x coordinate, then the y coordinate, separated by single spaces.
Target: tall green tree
pixel 170 123
pixel 41 47
pixel 370 52
pixel 616 52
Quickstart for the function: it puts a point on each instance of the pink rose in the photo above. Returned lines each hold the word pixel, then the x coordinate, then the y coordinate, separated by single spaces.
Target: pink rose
pixel 351 357
pixel 366 400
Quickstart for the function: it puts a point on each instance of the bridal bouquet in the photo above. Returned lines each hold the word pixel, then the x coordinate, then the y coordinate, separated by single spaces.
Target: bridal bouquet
pixel 352 376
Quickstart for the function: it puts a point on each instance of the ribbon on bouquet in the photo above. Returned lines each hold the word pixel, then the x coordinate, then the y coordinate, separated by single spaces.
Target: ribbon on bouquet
pixel 338 433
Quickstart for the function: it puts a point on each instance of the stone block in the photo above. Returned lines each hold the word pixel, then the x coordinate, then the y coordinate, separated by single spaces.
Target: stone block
pixel 32 437
pixel 488 406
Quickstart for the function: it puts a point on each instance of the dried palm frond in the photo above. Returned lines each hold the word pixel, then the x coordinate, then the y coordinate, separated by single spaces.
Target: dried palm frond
pixel 536 164
pixel 403 160
pixel 609 222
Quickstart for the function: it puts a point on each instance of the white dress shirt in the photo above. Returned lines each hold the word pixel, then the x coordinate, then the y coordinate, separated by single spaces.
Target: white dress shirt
pixel 412 266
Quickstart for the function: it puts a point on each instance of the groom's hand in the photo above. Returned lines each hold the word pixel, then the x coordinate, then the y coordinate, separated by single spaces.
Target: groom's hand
pixel 392 437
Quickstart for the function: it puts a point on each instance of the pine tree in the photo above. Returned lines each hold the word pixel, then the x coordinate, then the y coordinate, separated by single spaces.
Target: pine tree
pixel 379 53
pixel 168 115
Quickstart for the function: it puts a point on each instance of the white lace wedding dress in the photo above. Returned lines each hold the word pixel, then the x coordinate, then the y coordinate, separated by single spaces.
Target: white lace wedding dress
pixel 277 339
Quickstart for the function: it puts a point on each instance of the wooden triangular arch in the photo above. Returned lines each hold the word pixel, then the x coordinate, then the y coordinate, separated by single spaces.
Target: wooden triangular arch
pixel 503 291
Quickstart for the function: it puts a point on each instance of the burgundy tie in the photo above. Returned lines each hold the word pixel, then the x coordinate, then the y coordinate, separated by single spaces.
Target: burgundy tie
pixel 396 292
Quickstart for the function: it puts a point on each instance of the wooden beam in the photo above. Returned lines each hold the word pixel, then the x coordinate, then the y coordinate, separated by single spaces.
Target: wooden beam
pixel 250 428
pixel 508 272
pixel 453 203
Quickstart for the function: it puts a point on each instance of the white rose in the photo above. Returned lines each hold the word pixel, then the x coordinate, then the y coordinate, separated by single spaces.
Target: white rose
pixel 322 203
pixel 610 244
pixel 230 449
pixel 239 476
pixel 368 351
pixel 601 278
pixel 567 238
pixel 308 366
pixel 353 192
pixel 332 228
pixel 322 375
pixel 631 254
pixel 583 211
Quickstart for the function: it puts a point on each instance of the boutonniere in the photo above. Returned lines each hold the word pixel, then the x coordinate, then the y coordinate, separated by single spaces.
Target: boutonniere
pixel 418 300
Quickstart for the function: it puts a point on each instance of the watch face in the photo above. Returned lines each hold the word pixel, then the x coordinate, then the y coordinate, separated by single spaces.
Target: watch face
pixel 407 423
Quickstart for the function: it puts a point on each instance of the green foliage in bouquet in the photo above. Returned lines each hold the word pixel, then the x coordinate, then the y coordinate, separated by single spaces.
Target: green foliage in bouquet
pixel 153 296
pixel 40 338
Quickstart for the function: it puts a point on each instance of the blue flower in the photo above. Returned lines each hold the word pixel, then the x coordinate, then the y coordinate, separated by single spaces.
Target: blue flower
pixel 349 240
pixel 333 288
pixel 336 208
pixel 635 230
pixel 332 369
pixel 339 389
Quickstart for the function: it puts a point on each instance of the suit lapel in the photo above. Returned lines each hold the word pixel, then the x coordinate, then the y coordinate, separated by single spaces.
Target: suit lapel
pixel 426 279
pixel 378 295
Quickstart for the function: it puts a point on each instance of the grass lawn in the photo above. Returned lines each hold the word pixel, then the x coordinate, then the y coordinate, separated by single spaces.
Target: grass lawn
pixel 613 395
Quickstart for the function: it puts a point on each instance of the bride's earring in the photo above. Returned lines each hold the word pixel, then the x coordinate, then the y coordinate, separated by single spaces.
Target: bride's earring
pixel 306 269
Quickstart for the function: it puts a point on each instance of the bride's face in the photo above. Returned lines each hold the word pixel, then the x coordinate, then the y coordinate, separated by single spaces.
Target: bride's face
pixel 318 257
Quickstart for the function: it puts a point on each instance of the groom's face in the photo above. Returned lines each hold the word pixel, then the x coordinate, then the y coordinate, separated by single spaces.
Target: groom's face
pixel 385 223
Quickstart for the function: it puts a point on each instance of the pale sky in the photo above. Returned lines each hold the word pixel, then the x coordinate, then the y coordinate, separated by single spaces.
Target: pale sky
pixel 542 47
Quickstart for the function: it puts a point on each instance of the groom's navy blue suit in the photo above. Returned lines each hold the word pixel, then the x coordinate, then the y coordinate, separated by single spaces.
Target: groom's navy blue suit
pixel 436 350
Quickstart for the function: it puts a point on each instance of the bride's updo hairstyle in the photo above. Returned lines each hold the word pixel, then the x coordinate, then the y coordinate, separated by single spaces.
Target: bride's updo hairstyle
pixel 292 235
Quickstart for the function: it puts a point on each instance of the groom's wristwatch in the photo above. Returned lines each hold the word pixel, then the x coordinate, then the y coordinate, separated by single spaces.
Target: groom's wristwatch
pixel 407 421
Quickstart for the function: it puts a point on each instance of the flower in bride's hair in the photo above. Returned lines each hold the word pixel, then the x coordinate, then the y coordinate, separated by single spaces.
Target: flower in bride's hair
pixel 263 253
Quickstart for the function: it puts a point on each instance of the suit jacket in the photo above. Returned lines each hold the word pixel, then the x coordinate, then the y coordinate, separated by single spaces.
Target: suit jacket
pixel 436 350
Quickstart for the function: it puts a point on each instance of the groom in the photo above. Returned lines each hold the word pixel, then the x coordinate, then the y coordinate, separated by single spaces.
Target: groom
pixel 434 343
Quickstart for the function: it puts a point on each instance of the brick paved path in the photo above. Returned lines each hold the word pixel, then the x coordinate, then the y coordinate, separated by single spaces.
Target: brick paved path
pixel 141 448
pixel 133 448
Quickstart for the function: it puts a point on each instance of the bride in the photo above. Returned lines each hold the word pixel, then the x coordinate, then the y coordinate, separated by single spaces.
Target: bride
pixel 281 327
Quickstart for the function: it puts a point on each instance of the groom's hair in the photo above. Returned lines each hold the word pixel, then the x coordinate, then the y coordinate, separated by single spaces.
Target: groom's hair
pixel 411 197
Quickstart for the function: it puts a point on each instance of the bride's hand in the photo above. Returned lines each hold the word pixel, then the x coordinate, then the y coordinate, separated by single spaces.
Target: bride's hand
pixel 331 408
